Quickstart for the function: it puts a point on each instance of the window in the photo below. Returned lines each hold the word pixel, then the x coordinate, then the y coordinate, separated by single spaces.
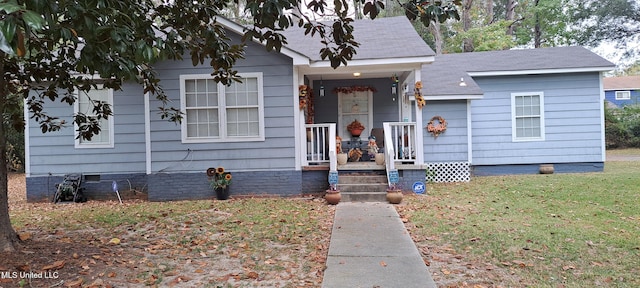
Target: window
pixel 218 113
pixel 85 105
pixel 527 110
pixel 623 95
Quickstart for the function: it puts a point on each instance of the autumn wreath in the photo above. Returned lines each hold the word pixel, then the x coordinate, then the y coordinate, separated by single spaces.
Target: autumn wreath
pixel 438 128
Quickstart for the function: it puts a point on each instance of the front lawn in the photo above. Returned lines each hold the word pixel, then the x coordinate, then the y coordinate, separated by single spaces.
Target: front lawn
pixel 559 230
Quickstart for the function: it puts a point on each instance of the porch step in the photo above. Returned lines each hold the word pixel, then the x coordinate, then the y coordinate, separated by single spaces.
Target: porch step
pixel 363 186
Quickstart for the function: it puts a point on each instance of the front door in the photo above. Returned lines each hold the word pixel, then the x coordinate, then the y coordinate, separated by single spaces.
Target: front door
pixel 355 105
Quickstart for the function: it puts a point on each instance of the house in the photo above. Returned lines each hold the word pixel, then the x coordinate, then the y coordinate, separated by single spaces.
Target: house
pixel 623 90
pixel 505 112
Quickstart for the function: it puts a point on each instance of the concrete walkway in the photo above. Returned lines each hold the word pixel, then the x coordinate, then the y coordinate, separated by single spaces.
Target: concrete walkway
pixel 371 248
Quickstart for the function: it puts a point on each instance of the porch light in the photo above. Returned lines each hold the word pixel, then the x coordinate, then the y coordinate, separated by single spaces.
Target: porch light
pixel 394 86
pixel 394 90
pixel 356 74
pixel 321 88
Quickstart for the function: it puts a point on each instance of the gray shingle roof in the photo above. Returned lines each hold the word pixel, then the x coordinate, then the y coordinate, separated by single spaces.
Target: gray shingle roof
pixel 573 57
pixel 443 75
pixel 392 37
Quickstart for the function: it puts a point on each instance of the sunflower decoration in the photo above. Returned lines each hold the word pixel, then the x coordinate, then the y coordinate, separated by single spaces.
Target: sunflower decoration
pixel 303 96
pixel 418 94
pixel 219 178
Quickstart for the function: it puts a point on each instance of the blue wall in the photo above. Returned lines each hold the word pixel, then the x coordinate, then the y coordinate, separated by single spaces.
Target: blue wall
pixel 610 96
pixel 572 111
pixel 452 145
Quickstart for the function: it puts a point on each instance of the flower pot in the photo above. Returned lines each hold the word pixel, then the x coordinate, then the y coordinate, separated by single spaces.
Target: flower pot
pixel 222 193
pixel 356 132
pixel 333 197
pixel 380 158
pixel 394 196
pixel 342 158
pixel 546 169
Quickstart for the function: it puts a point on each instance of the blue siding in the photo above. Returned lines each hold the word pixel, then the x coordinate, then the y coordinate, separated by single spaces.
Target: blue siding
pixel 54 153
pixel 572 120
pixel 277 152
pixel 452 145
pixel 611 97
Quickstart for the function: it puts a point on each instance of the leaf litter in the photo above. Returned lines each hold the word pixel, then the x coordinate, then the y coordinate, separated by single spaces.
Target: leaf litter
pixel 261 242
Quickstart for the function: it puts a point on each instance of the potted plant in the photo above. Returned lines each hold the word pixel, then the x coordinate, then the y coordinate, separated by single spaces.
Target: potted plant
pixel 220 181
pixel 394 194
pixel 355 128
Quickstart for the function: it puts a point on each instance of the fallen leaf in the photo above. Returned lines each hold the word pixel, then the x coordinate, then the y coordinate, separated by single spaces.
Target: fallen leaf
pixel 114 241
pixel 74 283
pixel 24 236
pixel 568 267
pixel 383 264
pixel 54 266
pixel 252 275
pixel 24 267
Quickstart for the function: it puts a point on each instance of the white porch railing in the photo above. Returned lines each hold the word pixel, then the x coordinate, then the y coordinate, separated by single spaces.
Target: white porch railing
pixel 321 144
pixel 402 137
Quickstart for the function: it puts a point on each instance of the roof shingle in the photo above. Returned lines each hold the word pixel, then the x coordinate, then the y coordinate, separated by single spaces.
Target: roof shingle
pixel 392 37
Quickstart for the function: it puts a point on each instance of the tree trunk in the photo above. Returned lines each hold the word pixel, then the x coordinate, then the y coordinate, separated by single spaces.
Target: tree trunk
pixel 434 28
pixel 467 44
pixel 8 236
pixel 510 15
pixel 489 11
pixel 537 31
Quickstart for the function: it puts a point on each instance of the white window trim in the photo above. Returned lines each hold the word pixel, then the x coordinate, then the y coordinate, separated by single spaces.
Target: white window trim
pixel 222 112
pixel 627 93
pixel 110 122
pixel 513 117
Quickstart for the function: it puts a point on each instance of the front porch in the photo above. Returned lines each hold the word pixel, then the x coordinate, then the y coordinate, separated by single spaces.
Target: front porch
pixel 360 178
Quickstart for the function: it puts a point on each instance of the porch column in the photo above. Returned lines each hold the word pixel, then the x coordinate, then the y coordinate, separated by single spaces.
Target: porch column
pixel 419 124
pixel 298 121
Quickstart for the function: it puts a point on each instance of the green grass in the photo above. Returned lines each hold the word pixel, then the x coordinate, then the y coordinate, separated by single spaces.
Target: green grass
pixel 626 151
pixel 576 230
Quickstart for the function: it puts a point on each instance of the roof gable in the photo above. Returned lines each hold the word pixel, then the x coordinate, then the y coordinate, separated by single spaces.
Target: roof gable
pixel 382 38
pixel 297 57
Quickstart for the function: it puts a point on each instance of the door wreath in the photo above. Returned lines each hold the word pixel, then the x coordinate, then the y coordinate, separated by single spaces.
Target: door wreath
pixel 437 128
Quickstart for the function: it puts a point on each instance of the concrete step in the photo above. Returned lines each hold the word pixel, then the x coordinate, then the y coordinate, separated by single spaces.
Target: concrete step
pixel 366 187
pixel 361 179
pixel 361 196
pixel 363 186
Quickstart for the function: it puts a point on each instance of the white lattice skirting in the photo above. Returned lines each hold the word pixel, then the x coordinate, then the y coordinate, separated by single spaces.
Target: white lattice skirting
pixel 448 172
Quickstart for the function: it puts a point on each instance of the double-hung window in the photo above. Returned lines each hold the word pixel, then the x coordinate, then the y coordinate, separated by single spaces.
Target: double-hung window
pixel 527 112
pixel 218 113
pixel 85 104
pixel 623 95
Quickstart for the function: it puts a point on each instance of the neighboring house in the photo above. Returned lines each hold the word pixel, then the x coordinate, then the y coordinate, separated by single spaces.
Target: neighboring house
pixel 622 90
pixel 507 112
